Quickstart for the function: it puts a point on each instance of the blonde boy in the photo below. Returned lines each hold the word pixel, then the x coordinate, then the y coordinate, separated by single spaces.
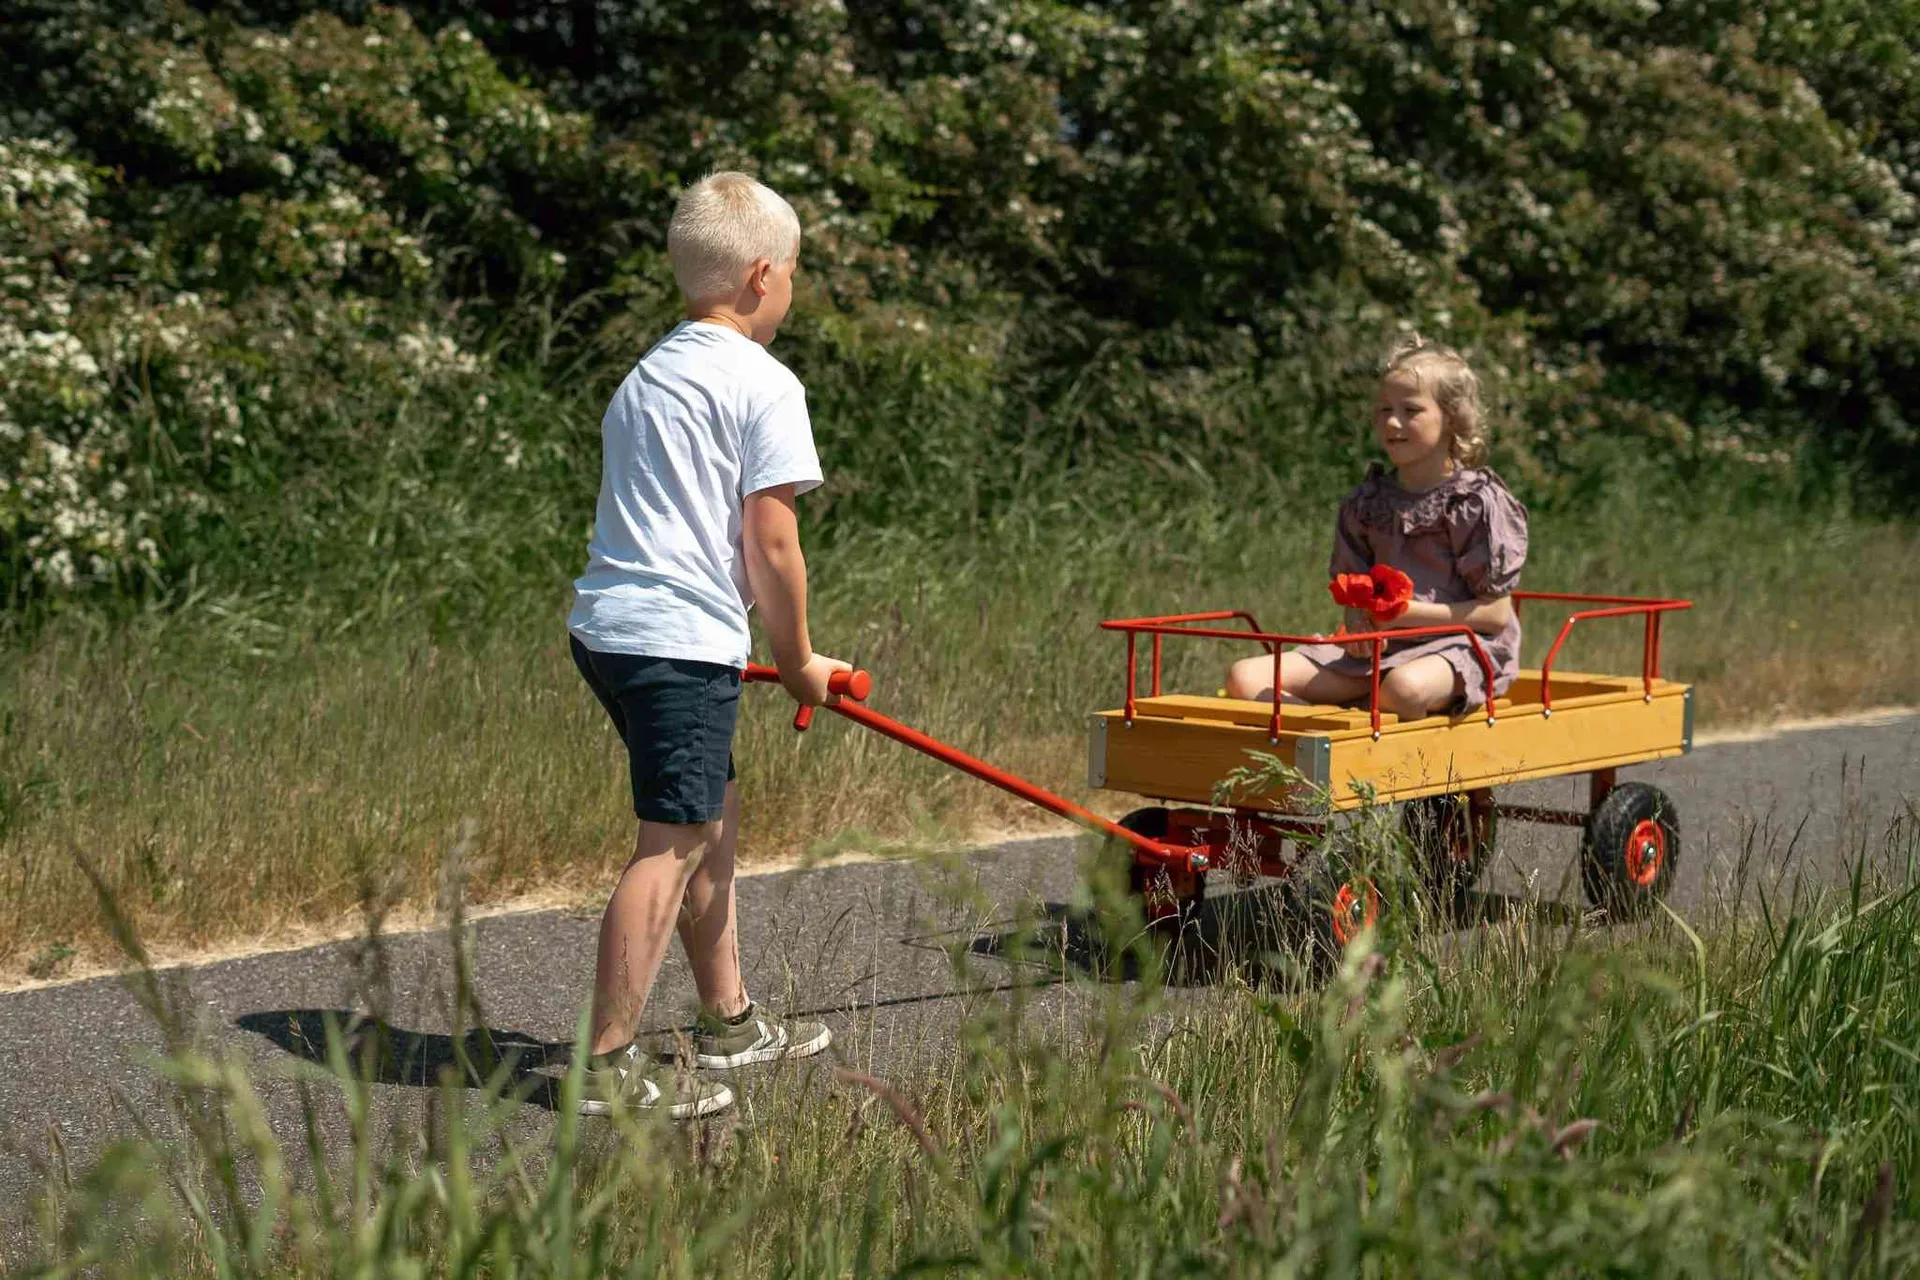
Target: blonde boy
pixel 704 448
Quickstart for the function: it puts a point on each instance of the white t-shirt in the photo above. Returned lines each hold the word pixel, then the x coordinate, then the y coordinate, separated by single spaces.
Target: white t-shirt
pixel 706 418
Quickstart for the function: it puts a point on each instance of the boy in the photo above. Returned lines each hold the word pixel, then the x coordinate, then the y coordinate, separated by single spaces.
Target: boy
pixel 705 446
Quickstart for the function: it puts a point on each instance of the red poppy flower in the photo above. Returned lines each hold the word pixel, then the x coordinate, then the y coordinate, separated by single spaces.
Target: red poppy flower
pixel 1392 592
pixel 1352 590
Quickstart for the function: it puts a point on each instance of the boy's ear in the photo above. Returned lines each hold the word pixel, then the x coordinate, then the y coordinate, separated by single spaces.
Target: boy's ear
pixel 757 276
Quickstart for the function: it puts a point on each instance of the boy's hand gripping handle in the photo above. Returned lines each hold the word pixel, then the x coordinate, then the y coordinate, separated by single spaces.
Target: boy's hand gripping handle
pixel 845 684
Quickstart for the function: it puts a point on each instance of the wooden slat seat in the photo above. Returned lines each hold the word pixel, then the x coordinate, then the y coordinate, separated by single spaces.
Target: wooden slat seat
pixel 1189 706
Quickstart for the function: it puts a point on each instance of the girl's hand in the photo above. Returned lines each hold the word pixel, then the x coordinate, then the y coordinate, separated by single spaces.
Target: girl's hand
pixel 1356 620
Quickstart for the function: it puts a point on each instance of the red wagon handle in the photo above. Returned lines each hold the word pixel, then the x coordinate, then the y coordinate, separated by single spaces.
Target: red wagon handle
pixel 853 687
pixel 846 684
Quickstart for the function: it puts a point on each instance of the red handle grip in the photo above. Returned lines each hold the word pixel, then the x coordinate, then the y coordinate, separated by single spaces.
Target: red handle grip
pixel 846 684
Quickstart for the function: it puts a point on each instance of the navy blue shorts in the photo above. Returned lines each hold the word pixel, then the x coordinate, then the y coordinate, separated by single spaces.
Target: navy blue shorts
pixel 677 719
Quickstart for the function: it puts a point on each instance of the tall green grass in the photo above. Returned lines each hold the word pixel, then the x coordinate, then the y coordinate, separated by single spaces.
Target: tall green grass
pixel 1734 1095
pixel 227 779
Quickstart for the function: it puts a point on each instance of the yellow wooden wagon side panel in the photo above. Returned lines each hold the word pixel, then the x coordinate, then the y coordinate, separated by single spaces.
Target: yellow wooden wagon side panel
pixel 1516 748
pixel 1175 759
pixel 1183 756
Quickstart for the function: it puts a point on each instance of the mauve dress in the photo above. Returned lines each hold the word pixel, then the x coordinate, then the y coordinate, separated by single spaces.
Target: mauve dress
pixel 1465 539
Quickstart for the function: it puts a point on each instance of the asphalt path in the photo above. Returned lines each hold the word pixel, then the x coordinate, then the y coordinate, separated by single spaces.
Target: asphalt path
pixel 894 954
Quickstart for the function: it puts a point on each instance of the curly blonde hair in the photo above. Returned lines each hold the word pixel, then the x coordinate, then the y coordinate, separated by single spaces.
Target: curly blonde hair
pixel 1455 387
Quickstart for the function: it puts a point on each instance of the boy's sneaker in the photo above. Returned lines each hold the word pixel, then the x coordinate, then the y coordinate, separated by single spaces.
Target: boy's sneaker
pixel 623 1078
pixel 720 1043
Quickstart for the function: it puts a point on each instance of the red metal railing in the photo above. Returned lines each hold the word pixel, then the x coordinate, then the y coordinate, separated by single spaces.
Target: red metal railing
pixel 1180 625
pixel 1617 607
pixel 1180 620
pixel 852 686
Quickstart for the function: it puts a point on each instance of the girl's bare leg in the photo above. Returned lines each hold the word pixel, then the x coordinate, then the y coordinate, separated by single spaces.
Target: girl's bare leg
pixel 706 922
pixel 1423 685
pixel 1251 678
pixel 1303 680
pixel 639 921
pixel 1300 681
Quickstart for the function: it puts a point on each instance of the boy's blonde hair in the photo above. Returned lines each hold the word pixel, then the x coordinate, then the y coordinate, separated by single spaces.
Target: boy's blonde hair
pixel 1455 387
pixel 722 225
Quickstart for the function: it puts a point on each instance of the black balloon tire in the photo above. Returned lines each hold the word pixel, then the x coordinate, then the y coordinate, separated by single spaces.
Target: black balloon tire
pixel 1313 898
pixel 1634 820
pixel 1425 823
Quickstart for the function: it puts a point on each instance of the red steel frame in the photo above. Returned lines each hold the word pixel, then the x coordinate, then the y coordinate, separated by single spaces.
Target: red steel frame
pixel 854 686
pixel 1185 861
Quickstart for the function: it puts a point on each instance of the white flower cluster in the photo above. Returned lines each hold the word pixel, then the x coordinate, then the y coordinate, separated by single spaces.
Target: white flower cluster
pixel 53 431
pixel 33 170
pixel 83 496
pixel 66 507
pixel 191 107
pixel 1742 442
pixel 433 357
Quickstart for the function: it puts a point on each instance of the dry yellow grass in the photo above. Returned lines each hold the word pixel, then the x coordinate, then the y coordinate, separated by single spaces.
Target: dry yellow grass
pixel 222 795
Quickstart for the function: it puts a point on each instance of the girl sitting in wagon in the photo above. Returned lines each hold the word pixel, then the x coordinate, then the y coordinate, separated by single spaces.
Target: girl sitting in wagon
pixel 1442 518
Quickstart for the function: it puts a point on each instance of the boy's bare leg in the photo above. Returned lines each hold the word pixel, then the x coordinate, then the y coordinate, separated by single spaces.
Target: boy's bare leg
pixel 639 921
pixel 707 928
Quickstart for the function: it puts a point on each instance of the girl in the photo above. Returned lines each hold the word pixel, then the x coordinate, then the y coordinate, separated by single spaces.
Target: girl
pixel 1441 517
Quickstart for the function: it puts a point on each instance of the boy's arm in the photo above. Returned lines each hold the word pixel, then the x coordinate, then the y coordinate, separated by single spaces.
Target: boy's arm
pixel 777 572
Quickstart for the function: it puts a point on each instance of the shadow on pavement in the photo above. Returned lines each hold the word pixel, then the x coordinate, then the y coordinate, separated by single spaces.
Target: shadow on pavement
pixel 380 1053
pixel 1253 933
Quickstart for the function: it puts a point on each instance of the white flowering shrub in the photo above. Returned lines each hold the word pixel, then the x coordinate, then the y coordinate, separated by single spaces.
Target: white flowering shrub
pixel 181 332
pixel 64 513
pixel 1686 223
pixel 1678 217
pixel 133 422
pixel 299 293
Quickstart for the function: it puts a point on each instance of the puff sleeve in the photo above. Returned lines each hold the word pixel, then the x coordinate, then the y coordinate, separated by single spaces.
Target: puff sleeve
pixel 1350 551
pixel 1488 529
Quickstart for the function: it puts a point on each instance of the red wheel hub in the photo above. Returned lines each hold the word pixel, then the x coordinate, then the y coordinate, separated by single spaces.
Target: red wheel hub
pixel 1353 910
pixel 1460 836
pixel 1646 851
pixel 1464 830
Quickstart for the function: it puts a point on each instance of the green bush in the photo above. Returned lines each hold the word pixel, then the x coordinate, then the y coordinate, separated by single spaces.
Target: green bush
pixel 310 303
